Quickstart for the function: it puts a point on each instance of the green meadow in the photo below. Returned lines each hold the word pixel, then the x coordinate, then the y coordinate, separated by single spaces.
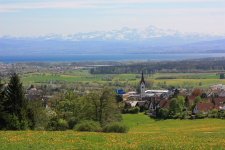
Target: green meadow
pixel 185 80
pixel 144 134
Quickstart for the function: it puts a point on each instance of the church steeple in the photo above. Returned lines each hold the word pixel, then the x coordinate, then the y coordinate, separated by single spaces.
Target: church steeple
pixel 142 85
pixel 142 78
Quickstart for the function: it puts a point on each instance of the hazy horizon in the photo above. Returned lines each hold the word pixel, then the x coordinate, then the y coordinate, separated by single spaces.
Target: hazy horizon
pixel 25 18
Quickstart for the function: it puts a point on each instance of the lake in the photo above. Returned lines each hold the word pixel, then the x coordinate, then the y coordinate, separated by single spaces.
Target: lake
pixel 103 57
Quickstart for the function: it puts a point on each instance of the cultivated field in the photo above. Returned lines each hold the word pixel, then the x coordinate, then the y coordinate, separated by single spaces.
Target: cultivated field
pixel 145 133
pixel 159 80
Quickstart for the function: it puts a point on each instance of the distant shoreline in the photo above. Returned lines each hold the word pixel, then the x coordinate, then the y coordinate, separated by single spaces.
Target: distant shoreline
pixel 108 57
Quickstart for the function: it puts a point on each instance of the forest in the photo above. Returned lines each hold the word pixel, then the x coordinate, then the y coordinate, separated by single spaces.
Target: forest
pixel 196 65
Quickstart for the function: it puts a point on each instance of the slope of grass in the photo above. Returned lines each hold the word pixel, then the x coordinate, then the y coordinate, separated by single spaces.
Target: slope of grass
pixel 145 133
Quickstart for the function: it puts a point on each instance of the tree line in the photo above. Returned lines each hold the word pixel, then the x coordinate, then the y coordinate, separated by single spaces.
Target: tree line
pixel 163 66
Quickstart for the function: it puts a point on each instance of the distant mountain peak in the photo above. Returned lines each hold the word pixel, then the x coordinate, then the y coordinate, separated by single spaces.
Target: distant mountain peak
pixel 127 34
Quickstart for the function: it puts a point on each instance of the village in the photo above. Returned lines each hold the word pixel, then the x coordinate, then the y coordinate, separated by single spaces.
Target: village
pixel 153 100
pixel 199 101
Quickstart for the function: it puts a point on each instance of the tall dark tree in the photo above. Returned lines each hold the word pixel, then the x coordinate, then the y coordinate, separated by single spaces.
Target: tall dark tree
pixel 108 107
pixel 222 76
pixel 2 122
pixel 16 104
pixel 187 103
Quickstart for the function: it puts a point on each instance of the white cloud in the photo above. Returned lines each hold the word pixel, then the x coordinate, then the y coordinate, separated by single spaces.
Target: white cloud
pixel 45 5
pixel 69 4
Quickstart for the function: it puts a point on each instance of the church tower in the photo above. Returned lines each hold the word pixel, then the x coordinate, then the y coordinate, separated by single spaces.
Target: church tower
pixel 142 85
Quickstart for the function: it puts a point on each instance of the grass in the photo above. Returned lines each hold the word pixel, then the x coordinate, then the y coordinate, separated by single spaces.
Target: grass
pixel 145 133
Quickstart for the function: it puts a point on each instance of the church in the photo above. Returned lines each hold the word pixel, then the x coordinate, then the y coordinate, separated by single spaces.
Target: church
pixel 142 85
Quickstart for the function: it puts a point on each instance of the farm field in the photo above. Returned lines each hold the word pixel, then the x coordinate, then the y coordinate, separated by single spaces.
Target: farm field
pixel 185 80
pixel 145 133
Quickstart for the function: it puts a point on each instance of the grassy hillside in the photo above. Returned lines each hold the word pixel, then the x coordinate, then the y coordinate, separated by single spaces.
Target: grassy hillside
pixel 145 133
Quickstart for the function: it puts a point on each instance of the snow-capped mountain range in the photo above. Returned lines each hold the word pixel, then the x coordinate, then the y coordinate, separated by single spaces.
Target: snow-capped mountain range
pixel 124 40
pixel 130 34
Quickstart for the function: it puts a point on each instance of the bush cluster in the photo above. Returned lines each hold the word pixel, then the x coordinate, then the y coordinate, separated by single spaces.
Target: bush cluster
pixel 132 110
pixel 115 127
pixel 88 125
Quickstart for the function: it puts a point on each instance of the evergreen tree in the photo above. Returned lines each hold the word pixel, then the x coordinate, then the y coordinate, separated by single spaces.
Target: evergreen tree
pixel 2 122
pixel 187 103
pixel 108 108
pixel 15 104
pixel 222 76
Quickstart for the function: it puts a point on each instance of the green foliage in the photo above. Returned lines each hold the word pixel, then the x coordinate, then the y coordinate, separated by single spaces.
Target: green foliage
pixel 163 113
pixel 222 76
pixel 176 106
pixel 62 125
pixel 88 125
pixel 132 110
pixel 38 115
pixel 15 105
pixel 103 106
pixel 108 108
pixel 13 122
pixel 213 113
pixel 198 99
pixel 72 122
pixel 200 115
pixel 2 120
pixel 221 114
pixel 116 127
pixel 98 106
pixel 56 124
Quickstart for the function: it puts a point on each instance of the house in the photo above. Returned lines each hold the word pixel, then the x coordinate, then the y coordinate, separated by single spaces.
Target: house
pixel 218 87
pixel 222 94
pixel 219 103
pixel 203 107
pixel 33 93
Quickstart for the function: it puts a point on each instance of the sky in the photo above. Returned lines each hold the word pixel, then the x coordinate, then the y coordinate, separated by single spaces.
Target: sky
pixel 44 17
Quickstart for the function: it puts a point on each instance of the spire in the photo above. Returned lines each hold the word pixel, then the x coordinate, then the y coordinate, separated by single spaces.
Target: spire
pixel 142 78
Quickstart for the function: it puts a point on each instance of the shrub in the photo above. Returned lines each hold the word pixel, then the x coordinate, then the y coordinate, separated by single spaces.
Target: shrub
pixel 115 127
pixel 200 115
pixel 163 113
pixel 57 124
pixel 72 122
pixel 24 125
pixel 88 125
pixel 221 114
pixel 13 122
pixel 133 110
pixel 62 125
pixel 213 114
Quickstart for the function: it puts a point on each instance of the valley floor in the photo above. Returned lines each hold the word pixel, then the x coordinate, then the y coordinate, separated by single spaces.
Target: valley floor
pixel 145 133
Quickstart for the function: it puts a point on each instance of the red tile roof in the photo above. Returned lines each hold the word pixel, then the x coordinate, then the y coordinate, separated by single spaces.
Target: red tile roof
pixel 219 101
pixel 164 103
pixel 205 107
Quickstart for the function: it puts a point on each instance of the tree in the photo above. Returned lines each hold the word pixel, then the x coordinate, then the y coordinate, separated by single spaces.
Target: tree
pixel 15 104
pixel 177 106
pixel 2 121
pixel 37 114
pixel 197 92
pixel 108 110
pixel 197 100
pixel 187 103
pixel 222 76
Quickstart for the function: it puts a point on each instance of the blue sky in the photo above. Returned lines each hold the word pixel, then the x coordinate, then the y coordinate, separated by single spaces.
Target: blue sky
pixel 41 17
